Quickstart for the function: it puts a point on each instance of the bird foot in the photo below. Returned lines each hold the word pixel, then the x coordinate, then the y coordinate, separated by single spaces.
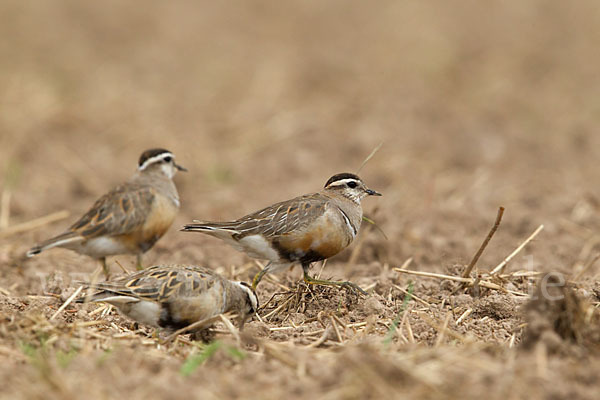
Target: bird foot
pixel 349 286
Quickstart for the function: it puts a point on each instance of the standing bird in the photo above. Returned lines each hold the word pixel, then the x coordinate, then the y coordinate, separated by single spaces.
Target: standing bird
pixel 130 218
pixel 175 296
pixel 305 229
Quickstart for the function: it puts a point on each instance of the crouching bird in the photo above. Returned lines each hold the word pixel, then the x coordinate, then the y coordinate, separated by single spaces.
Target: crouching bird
pixel 305 229
pixel 175 296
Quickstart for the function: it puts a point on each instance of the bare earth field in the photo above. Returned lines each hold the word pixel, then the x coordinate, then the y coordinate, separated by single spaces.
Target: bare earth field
pixel 478 105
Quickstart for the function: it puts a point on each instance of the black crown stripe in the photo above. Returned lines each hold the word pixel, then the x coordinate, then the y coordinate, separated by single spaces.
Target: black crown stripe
pixel 151 153
pixel 342 176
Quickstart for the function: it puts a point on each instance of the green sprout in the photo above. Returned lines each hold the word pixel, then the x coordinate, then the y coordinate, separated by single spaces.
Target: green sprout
pixel 396 321
pixel 197 359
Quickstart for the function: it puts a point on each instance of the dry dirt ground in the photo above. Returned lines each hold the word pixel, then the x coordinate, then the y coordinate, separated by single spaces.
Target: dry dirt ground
pixel 478 104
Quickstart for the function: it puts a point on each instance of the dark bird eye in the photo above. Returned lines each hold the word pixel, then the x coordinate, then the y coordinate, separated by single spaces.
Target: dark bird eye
pixel 168 159
pixel 351 185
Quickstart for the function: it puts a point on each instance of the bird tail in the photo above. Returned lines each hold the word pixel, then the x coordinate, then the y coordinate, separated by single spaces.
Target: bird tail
pixel 107 296
pixel 218 229
pixel 61 240
pixel 104 292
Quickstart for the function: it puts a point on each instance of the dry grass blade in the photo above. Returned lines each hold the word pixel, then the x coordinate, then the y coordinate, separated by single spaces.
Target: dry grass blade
pixel 322 339
pixel 282 328
pixel 420 300
pixel 34 224
pixel 232 329
pixel 339 321
pixel 280 307
pixel 122 267
pixel 406 263
pixel 588 247
pixel 66 303
pixel 469 281
pixel 467 271
pixel 400 329
pixel 98 310
pixel 273 351
pixel 336 330
pixel 503 264
pixel 195 326
pixel 374 224
pixel 264 306
pixel 440 338
pixel 245 268
pixel 406 322
pixel 83 324
pixel 375 150
pixel 435 275
pixel 511 344
pixel 323 264
pixel 442 328
pixel 463 316
pixel 107 310
pixel 585 269
pixel 521 274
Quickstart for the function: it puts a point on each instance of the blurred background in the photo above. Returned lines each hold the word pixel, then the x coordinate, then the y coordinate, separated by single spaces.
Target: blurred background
pixel 478 104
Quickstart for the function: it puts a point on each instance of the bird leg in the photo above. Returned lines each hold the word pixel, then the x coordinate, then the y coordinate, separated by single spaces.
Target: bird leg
pixel 258 277
pixel 139 265
pixel 344 284
pixel 105 268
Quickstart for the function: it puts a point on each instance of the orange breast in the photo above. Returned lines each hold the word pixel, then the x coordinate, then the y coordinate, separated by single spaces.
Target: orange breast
pixel 157 223
pixel 322 238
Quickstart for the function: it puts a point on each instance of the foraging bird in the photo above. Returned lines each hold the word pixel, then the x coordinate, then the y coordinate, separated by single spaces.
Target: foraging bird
pixel 305 229
pixel 175 296
pixel 130 218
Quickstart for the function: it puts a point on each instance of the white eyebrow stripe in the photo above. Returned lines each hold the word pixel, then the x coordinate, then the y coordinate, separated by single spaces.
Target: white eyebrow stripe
pixel 343 182
pixel 154 159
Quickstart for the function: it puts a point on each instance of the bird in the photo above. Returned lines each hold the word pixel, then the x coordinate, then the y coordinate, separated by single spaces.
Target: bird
pixel 175 296
pixel 305 229
pixel 130 218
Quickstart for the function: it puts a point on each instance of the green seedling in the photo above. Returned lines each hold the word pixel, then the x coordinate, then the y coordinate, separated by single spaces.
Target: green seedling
pixel 370 221
pixel 197 359
pixel 396 321
pixel 207 351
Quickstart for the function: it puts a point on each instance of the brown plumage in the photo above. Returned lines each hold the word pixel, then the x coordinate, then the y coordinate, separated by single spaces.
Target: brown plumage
pixel 305 229
pixel 175 296
pixel 130 218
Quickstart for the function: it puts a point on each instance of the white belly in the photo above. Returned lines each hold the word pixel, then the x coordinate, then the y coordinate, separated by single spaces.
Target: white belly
pixel 100 247
pixel 146 312
pixel 256 246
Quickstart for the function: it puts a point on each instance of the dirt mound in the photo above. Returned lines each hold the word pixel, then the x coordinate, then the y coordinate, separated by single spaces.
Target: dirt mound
pixel 558 318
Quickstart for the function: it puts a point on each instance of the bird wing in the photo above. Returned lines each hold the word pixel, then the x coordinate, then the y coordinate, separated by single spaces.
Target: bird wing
pixel 275 220
pixel 118 212
pixel 158 283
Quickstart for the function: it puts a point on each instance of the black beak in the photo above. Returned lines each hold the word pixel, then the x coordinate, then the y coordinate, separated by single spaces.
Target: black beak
pixel 242 321
pixel 372 192
pixel 179 167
